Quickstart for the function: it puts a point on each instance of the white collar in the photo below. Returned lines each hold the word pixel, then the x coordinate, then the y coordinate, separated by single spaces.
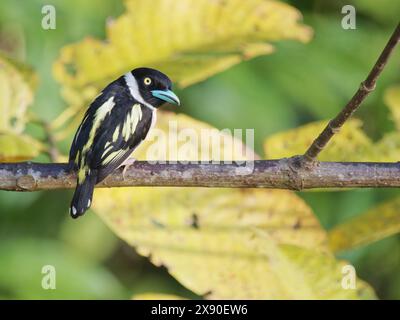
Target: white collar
pixel 132 84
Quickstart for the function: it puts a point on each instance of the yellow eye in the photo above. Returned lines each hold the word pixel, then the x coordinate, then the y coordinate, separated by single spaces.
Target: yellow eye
pixel 147 81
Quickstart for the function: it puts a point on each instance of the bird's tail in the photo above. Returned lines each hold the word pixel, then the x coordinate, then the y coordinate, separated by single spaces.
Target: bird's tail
pixel 82 198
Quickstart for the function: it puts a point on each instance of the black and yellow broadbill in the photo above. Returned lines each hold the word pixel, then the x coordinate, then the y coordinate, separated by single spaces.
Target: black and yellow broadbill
pixel 116 122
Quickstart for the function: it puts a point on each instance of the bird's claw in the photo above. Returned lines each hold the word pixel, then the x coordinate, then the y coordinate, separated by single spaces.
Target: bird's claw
pixel 128 162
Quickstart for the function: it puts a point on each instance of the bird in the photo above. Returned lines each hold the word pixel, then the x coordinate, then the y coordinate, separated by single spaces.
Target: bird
pixel 114 125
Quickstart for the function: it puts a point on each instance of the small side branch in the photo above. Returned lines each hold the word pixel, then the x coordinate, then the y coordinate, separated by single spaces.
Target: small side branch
pixel 277 174
pixel 366 87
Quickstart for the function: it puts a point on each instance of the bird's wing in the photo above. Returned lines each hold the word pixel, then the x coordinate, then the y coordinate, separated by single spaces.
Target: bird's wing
pixel 89 126
pixel 82 134
pixel 120 137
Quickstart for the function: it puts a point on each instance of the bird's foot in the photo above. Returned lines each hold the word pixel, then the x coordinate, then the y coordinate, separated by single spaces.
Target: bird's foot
pixel 127 163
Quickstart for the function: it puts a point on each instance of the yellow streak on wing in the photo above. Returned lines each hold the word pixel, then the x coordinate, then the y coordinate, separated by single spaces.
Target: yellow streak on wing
pixel 82 174
pixel 77 157
pixel 106 151
pixel 107 144
pixel 80 127
pixel 138 109
pixel 115 134
pixel 136 116
pixel 131 121
pixel 113 155
pixel 126 129
pixel 99 116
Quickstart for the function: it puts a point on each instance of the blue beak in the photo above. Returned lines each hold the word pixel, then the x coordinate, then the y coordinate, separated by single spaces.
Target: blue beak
pixel 166 95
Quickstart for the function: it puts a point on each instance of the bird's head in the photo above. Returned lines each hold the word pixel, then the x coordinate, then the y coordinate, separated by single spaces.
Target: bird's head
pixel 154 87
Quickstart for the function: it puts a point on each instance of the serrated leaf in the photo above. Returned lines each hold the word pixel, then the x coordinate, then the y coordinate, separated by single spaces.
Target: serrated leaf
pixel 350 144
pixel 210 240
pixel 307 274
pixel 374 225
pixel 151 33
pixel 189 40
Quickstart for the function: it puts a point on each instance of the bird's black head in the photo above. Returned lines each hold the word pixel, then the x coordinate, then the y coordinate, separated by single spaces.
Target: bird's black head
pixel 151 86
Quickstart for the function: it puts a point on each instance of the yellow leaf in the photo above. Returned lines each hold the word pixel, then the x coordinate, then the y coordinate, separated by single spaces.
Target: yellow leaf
pixel 190 40
pixel 350 144
pixel 225 243
pixel 306 274
pixel 375 224
pixel 178 137
pixel 392 99
pixel 156 296
pixel 16 85
pixel 388 148
pixel 27 72
pixel 153 33
pixel 15 96
pixel 18 147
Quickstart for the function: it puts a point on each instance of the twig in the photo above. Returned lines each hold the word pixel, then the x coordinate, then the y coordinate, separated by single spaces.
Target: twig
pixel 366 87
pixel 278 174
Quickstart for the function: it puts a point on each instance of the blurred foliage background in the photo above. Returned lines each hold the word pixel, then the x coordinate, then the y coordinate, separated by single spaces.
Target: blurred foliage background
pixel 297 84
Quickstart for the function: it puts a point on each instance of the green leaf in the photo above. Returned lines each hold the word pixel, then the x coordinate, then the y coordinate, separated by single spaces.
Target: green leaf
pixel 374 225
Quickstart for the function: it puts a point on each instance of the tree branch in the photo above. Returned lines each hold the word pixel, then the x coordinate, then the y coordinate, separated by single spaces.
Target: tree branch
pixel 277 174
pixel 366 87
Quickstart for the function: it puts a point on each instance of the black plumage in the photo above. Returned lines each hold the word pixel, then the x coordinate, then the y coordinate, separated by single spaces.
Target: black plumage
pixel 116 122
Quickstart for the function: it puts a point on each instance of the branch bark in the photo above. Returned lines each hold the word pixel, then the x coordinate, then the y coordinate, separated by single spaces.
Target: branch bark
pixel 366 87
pixel 278 174
pixel 292 173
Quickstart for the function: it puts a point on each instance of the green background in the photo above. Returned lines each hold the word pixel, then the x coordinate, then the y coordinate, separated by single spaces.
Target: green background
pixel 297 84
